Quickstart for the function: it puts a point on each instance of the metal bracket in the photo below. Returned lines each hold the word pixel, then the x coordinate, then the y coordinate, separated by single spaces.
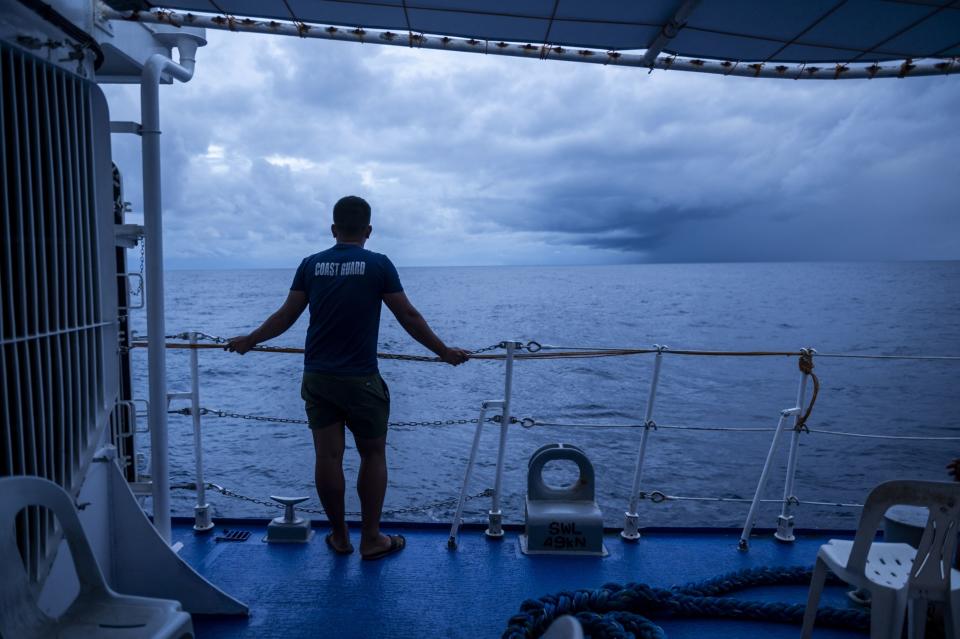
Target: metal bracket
pixel 495 525
pixel 127 235
pixel 126 126
pixel 784 528
pixel 631 527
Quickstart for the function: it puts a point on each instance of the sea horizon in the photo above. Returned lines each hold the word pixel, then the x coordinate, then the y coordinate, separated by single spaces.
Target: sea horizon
pixel 900 308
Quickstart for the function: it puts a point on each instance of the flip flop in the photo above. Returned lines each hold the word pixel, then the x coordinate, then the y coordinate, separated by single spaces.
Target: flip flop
pixel 329 540
pixel 397 543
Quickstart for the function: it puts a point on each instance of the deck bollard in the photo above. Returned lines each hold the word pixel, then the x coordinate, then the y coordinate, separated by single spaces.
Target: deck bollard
pixel 631 524
pixel 562 520
pixel 495 516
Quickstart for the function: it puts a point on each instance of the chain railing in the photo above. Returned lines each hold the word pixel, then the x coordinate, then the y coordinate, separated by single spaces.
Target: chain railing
pixel 213 412
pixel 393 512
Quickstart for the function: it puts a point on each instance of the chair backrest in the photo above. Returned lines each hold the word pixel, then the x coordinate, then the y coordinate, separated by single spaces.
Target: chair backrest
pixel 16 493
pixel 938 545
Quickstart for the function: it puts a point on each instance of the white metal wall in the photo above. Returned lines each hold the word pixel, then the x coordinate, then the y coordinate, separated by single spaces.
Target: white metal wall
pixel 57 334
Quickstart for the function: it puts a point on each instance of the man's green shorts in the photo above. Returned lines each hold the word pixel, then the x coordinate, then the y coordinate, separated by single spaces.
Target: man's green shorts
pixel 362 401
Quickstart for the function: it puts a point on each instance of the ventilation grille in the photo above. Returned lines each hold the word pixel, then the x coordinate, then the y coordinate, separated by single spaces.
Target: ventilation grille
pixel 51 324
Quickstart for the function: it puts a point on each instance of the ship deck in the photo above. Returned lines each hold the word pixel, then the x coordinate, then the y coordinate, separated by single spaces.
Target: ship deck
pixel 300 590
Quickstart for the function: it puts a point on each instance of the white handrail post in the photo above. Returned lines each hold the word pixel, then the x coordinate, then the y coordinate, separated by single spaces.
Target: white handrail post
pixel 156 67
pixel 744 542
pixel 631 524
pixel 457 517
pixel 201 512
pixel 495 517
pixel 785 520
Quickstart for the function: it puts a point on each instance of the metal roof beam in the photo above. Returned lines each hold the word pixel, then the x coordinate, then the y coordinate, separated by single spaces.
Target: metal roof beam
pixel 669 31
pixel 827 70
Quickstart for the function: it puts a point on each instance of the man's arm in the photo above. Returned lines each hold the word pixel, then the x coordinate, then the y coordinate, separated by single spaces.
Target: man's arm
pixel 275 325
pixel 412 321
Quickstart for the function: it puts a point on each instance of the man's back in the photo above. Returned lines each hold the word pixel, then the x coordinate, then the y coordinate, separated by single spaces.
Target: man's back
pixel 345 285
pixel 342 388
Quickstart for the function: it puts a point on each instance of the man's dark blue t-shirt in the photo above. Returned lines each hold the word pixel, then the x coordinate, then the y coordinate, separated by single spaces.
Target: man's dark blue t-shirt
pixel 345 285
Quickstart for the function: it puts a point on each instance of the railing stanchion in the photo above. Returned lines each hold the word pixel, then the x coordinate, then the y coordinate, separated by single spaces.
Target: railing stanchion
pixel 744 543
pixel 201 512
pixel 785 520
pixel 495 525
pixel 457 517
pixel 631 525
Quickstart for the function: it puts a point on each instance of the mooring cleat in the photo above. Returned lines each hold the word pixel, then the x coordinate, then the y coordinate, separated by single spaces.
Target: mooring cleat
pixel 289 529
pixel 562 521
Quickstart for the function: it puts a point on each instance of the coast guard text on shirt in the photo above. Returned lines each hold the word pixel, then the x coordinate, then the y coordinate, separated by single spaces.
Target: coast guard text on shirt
pixel 334 269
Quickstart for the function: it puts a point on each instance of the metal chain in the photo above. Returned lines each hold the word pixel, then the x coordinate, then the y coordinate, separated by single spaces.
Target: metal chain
pixel 319 511
pixel 143 244
pixel 487 349
pixel 530 347
pixel 289 420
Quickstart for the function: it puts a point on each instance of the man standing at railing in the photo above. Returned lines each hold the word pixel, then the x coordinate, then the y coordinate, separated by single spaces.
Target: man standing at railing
pixel 344 286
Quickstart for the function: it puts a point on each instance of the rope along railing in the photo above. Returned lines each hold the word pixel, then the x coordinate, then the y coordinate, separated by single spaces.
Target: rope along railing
pixel 226 492
pixel 536 350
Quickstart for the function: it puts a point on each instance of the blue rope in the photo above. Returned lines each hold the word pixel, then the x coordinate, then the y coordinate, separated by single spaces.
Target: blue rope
pixel 617 611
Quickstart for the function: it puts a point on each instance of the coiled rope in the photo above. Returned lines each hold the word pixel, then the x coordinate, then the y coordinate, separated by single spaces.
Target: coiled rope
pixel 617 611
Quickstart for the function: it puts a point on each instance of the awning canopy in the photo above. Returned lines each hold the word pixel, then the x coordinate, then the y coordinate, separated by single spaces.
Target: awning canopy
pixel 769 32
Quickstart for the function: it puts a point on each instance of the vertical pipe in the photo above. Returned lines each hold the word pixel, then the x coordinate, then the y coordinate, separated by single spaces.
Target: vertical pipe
pixel 631 525
pixel 153 70
pixel 785 520
pixel 762 483
pixel 156 328
pixel 201 512
pixel 455 527
pixel 495 526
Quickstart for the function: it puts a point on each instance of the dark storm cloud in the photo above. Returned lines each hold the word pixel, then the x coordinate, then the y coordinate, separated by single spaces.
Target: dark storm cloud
pixel 483 159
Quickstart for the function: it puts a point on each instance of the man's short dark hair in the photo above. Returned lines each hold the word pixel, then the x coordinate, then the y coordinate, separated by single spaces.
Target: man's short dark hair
pixel 351 214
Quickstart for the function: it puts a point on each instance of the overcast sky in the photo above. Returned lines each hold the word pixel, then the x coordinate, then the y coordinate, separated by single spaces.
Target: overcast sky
pixel 470 159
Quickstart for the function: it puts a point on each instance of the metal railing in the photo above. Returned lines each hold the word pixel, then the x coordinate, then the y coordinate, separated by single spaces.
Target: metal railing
pixel 791 419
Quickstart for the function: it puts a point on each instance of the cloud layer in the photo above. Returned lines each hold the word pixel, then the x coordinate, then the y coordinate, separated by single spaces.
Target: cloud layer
pixel 481 160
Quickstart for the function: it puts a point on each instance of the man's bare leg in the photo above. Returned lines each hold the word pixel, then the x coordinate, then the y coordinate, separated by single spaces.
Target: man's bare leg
pixel 371 487
pixel 328 444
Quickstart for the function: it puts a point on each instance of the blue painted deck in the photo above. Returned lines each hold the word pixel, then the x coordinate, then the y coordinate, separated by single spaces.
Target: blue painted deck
pixel 429 591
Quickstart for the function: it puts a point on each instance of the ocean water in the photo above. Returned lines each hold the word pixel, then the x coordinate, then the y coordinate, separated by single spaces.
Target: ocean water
pixel 875 308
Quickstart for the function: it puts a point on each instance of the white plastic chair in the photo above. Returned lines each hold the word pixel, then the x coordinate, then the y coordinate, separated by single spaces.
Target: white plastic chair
pixel 899 577
pixel 564 627
pixel 97 610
